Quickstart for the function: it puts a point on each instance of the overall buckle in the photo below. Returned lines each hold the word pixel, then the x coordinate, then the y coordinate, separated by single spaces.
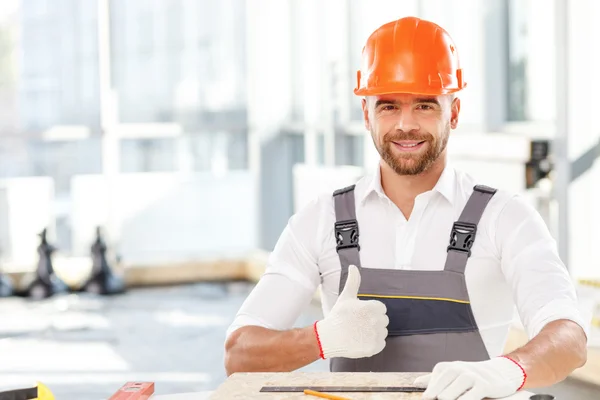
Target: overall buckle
pixel 462 237
pixel 484 189
pixel 346 234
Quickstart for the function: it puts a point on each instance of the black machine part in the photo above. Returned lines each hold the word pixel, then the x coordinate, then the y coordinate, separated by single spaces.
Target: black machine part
pixel 20 394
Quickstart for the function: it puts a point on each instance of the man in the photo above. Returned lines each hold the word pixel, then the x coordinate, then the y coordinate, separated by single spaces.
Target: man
pixel 410 299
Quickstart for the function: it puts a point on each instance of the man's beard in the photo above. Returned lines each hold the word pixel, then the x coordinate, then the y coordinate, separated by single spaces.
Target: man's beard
pixel 409 163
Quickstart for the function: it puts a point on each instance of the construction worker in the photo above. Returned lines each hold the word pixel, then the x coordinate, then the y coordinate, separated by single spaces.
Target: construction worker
pixel 420 266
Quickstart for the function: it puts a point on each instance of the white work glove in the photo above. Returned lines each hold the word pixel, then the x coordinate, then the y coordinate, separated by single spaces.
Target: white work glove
pixel 353 328
pixel 495 378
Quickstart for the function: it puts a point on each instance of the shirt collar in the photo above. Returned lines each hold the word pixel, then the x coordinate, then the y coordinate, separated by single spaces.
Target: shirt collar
pixel 373 185
pixel 446 185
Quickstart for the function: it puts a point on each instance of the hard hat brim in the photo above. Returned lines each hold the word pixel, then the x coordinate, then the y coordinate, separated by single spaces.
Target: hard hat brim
pixel 406 89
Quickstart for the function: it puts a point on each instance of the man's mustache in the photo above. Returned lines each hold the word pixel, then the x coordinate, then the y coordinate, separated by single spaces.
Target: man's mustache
pixel 398 136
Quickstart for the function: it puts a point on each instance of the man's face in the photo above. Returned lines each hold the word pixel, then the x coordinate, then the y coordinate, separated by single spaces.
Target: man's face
pixel 410 131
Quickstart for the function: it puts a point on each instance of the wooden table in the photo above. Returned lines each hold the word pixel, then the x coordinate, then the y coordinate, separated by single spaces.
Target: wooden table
pixel 184 396
pixel 248 385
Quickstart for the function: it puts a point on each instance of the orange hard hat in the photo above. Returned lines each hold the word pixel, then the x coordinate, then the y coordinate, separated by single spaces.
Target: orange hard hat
pixel 410 55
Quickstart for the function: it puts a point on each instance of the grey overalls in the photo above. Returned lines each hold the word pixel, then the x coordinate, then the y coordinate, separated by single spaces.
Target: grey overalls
pixel 429 311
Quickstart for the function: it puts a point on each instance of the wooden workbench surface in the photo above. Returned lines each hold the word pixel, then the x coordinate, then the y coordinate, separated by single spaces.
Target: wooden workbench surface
pixel 248 385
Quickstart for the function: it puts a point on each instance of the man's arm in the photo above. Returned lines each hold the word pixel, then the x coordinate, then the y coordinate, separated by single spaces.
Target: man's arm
pixel 544 294
pixel 254 348
pixel 548 358
pixel 261 337
pixel 546 300
pixel 353 328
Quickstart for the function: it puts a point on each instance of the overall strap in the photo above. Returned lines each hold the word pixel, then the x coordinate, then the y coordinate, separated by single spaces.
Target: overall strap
pixel 346 231
pixel 464 230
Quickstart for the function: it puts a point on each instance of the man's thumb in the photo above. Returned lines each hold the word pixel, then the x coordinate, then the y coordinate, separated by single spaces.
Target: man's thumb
pixel 352 283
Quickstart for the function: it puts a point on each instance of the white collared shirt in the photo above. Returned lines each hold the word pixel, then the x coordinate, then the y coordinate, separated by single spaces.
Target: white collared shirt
pixel 514 259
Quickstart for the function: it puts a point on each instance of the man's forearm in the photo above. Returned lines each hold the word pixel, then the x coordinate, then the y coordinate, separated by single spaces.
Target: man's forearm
pixel 257 349
pixel 553 354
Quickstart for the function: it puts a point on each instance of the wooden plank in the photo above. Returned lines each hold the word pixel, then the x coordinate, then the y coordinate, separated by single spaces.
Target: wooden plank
pixel 149 275
pixel 185 272
pixel 248 385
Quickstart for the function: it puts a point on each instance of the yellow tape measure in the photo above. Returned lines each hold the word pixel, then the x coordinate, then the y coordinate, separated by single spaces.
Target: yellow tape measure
pixel 44 393
pixel 38 392
pixel 590 282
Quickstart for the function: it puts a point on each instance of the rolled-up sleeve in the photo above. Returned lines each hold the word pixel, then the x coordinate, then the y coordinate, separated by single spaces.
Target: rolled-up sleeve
pixel 542 287
pixel 291 276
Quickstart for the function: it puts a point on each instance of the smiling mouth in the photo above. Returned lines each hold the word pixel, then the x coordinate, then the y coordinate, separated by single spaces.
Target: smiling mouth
pixel 409 145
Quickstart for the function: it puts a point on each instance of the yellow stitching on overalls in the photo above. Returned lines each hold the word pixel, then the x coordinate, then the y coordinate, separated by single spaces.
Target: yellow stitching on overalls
pixel 414 297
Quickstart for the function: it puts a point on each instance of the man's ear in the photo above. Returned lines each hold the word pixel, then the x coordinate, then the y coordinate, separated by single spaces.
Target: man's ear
pixel 455 111
pixel 365 108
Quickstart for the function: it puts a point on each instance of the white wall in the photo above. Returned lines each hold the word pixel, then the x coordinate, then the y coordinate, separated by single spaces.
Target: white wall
pixel 269 68
pixel 494 159
pixel 26 208
pixel 584 132
pixel 541 67
pixel 461 19
pixel 164 217
pixel 311 181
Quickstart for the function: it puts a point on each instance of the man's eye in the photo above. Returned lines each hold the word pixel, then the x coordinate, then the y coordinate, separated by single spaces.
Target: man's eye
pixel 388 107
pixel 424 107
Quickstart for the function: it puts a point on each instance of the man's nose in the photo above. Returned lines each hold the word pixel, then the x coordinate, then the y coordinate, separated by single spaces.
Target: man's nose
pixel 406 121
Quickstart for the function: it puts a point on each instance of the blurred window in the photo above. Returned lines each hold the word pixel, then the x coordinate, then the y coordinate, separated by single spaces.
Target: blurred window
pixel 531 61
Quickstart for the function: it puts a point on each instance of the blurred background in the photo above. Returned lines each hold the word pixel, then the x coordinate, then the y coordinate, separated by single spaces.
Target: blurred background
pixel 189 131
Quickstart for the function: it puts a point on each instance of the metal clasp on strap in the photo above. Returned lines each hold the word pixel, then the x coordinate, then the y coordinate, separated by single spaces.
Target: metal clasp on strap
pixel 485 189
pixel 462 237
pixel 346 234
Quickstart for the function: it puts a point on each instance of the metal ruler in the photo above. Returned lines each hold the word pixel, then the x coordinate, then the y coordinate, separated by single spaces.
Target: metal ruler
pixel 280 389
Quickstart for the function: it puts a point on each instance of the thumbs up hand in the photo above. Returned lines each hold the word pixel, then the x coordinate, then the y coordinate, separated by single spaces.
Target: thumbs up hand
pixel 353 328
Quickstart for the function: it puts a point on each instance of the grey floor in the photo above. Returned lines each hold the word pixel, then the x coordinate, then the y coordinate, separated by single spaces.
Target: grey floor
pixel 86 347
